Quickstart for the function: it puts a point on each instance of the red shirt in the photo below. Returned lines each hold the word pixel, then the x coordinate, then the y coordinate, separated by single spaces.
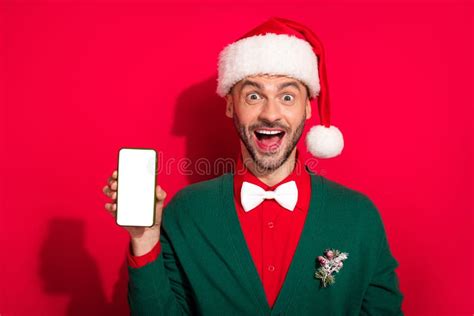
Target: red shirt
pixel 271 231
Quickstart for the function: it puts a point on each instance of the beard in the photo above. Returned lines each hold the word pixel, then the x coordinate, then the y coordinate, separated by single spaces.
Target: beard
pixel 269 162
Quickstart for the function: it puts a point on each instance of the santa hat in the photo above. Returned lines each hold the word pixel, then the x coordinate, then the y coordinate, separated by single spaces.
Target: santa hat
pixel 284 47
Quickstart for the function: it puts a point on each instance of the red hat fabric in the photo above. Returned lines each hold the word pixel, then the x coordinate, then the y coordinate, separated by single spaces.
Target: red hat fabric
pixel 283 47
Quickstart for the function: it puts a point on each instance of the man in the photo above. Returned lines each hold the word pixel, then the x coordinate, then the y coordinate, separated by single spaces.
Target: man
pixel 272 238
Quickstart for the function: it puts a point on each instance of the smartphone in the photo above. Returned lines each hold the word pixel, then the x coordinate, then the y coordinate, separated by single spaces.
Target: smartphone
pixel 136 184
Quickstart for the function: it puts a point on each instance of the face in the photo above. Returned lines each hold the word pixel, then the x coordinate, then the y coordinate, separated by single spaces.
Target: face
pixel 269 113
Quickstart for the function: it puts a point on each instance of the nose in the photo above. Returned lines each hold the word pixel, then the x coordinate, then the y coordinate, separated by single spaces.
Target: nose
pixel 270 111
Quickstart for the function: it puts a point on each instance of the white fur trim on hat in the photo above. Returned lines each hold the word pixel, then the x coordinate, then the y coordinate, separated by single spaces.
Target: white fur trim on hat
pixel 274 54
pixel 324 142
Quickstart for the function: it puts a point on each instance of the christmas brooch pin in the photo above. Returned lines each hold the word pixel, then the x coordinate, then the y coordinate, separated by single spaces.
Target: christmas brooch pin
pixel 328 265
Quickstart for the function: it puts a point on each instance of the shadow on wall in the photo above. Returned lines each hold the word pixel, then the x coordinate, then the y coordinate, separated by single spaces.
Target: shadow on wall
pixel 211 139
pixel 67 268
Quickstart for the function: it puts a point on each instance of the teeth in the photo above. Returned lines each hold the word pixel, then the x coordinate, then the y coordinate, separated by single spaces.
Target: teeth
pixel 268 132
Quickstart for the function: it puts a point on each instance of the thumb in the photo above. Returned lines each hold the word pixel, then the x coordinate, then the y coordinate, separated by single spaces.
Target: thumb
pixel 160 196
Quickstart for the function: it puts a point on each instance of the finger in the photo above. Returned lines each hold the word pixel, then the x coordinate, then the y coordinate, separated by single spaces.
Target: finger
pixel 111 194
pixel 106 190
pixel 160 194
pixel 112 178
pixel 111 207
pixel 113 186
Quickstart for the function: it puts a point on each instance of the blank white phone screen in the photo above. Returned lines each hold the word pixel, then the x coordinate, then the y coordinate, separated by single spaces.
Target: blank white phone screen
pixel 136 187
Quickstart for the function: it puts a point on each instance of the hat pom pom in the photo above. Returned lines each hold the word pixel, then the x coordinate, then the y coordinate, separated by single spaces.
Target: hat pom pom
pixel 324 142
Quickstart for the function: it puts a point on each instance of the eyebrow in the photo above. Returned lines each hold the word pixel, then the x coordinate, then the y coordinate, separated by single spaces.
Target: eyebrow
pixel 289 84
pixel 280 86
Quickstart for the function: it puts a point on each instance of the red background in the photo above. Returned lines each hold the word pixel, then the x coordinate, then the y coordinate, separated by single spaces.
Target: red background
pixel 80 80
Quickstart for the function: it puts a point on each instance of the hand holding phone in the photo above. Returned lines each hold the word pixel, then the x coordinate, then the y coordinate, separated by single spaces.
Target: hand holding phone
pixel 144 228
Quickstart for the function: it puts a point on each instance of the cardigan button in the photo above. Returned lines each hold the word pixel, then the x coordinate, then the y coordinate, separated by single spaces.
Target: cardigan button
pixel 271 268
pixel 270 225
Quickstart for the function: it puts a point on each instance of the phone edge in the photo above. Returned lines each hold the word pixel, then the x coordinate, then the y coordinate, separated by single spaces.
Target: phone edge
pixel 154 186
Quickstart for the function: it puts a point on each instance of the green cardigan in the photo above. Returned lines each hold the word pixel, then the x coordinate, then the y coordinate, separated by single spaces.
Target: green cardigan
pixel 205 267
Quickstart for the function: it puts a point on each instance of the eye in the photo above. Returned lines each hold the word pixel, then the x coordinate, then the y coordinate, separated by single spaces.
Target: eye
pixel 288 97
pixel 252 97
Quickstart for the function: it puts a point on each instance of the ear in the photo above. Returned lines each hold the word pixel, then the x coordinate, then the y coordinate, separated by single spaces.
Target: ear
pixel 229 108
pixel 308 108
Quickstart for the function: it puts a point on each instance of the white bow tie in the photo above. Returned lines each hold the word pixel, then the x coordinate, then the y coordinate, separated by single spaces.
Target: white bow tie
pixel 252 195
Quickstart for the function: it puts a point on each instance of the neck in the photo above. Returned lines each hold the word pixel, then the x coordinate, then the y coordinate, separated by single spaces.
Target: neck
pixel 272 177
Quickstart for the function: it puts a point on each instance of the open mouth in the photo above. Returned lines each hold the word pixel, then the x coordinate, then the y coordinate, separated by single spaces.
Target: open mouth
pixel 269 139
